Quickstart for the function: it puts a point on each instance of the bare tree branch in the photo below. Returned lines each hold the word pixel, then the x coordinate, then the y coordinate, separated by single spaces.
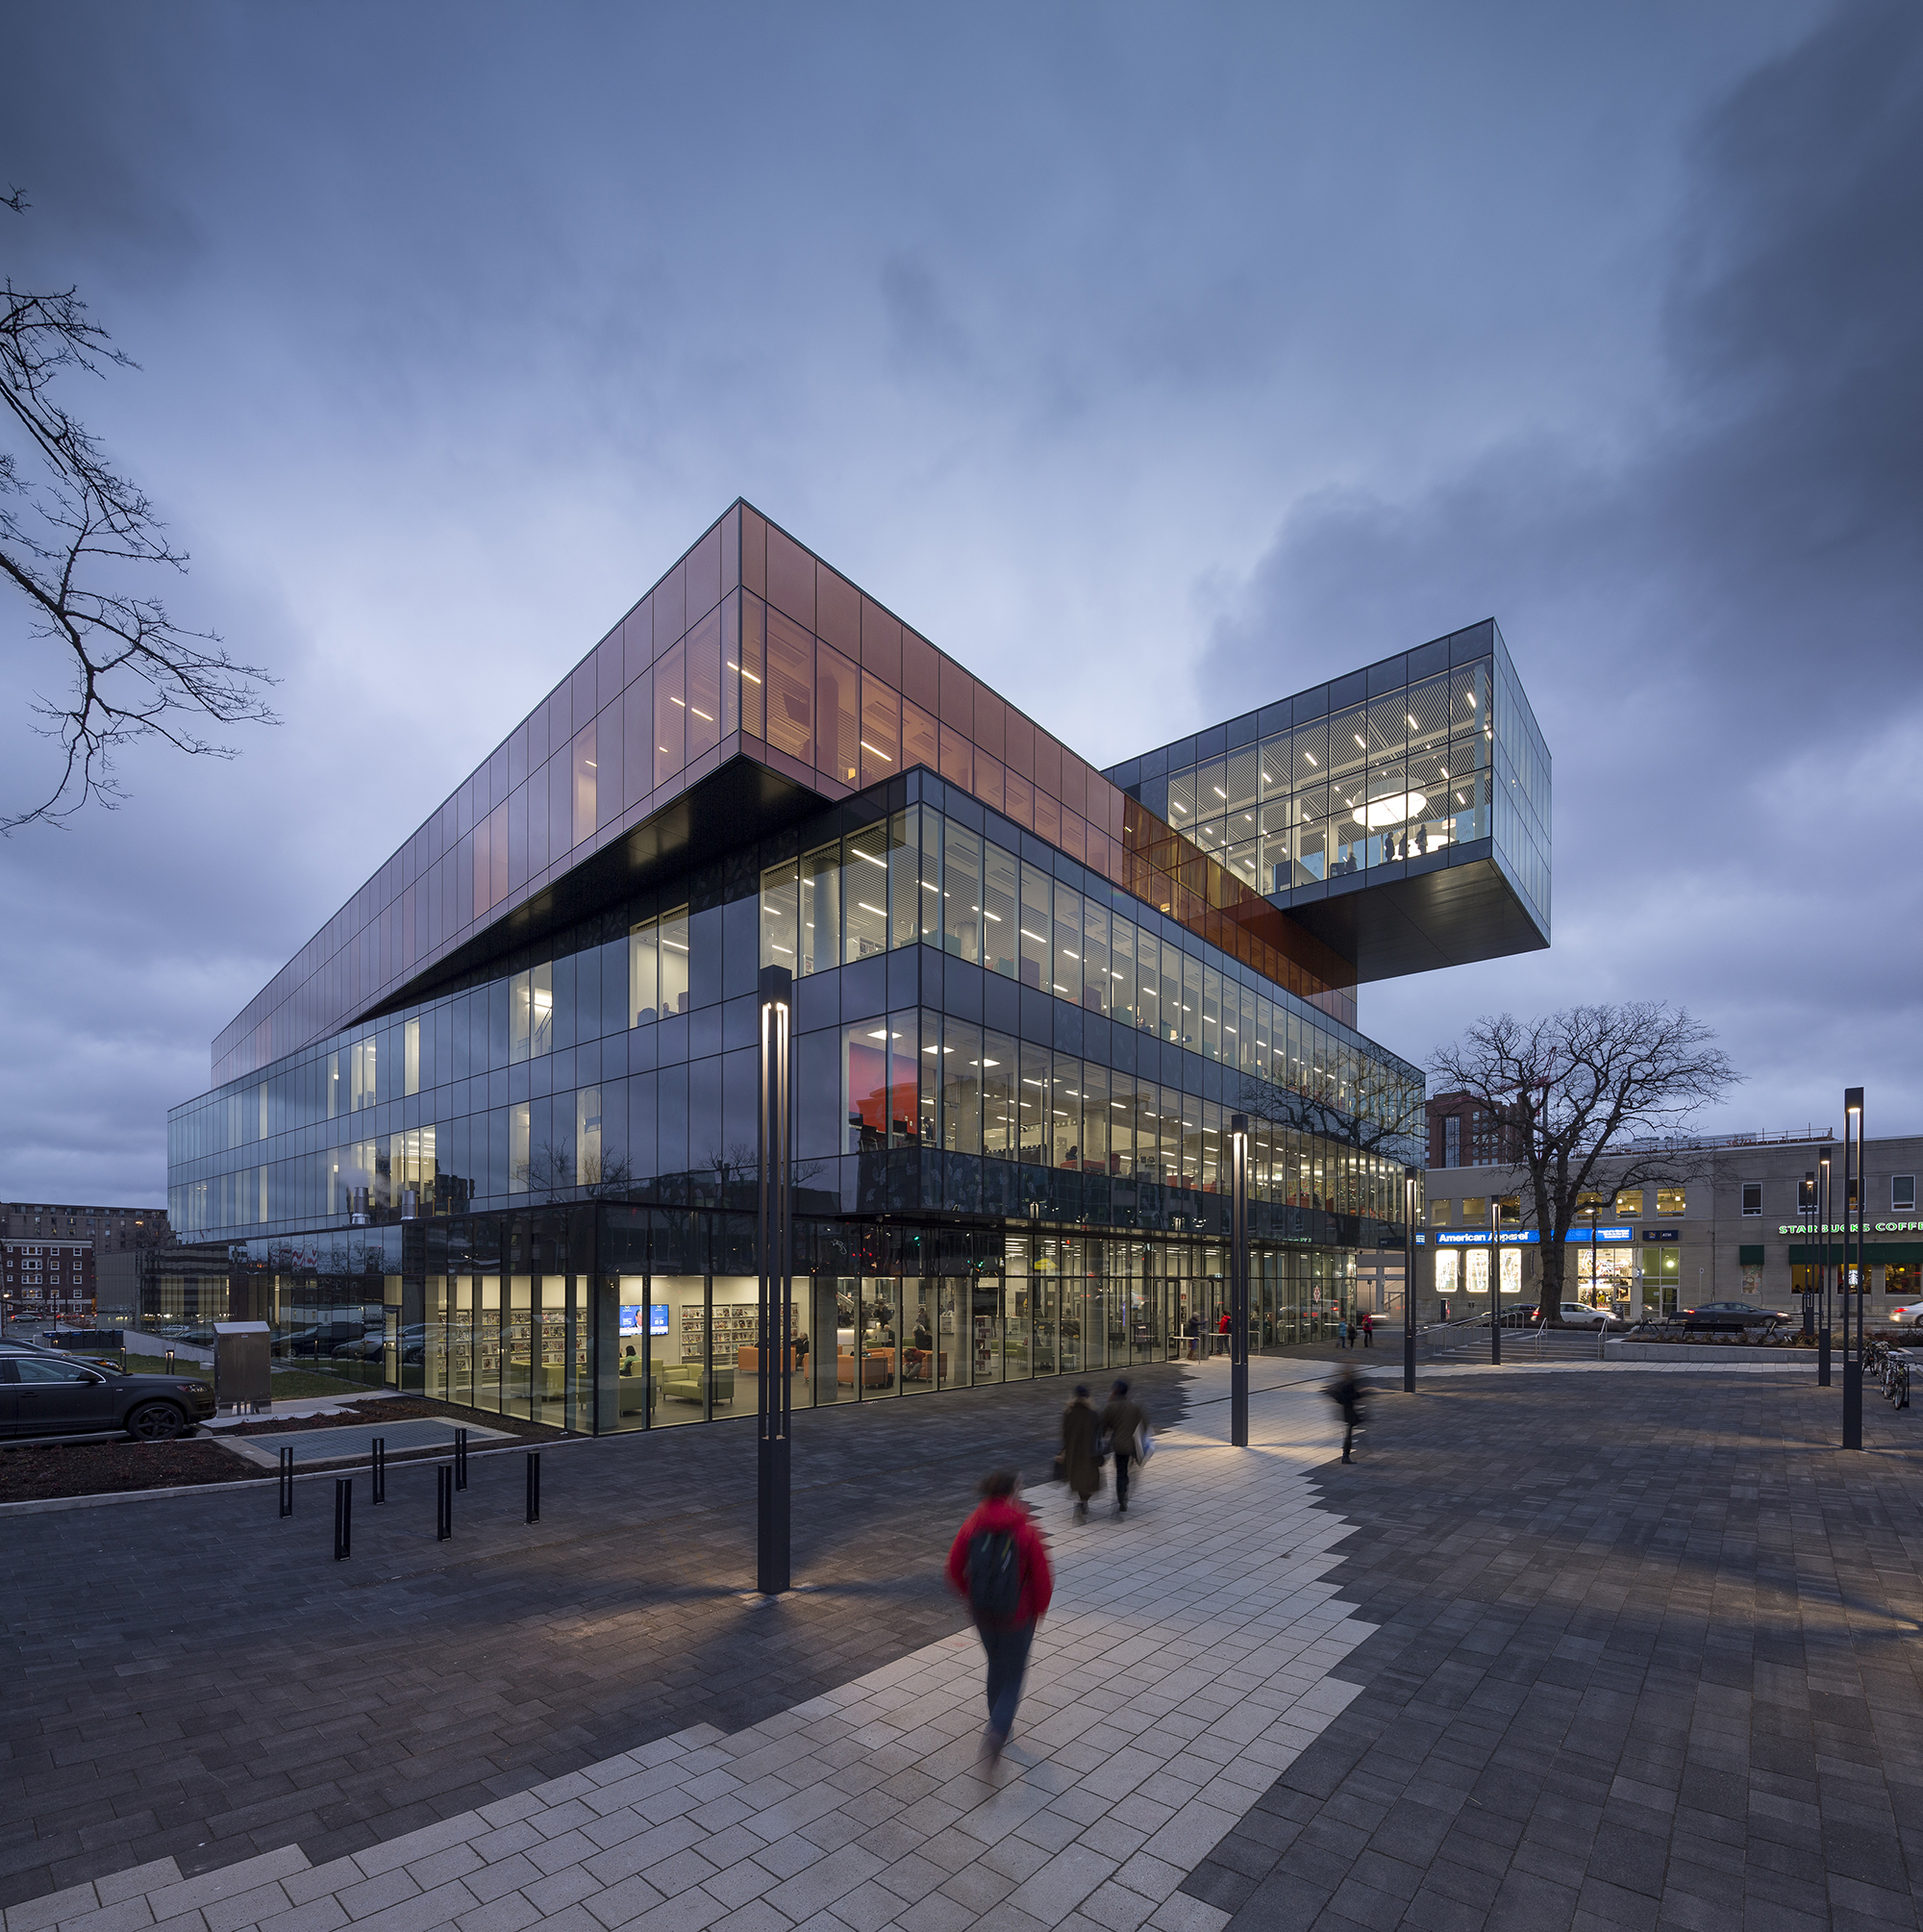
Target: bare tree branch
pixel 1579 1087
pixel 73 535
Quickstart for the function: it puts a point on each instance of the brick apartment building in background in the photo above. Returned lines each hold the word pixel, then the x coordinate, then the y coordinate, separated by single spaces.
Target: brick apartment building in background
pixel 1464 1133
pixel 49 1254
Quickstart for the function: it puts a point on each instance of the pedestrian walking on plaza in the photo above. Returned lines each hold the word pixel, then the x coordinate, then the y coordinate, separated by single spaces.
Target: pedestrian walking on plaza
pixel 1342 1333
pixel 1122 1422
pixel 1346 1393
pixel 999 1565
pixel 1222 1334
pixel 1369 1330
pixel 1194 1335
pixel 1081 1450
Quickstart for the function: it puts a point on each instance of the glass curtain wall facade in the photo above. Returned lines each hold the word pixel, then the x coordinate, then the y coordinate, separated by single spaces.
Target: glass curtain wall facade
pixel 491 1135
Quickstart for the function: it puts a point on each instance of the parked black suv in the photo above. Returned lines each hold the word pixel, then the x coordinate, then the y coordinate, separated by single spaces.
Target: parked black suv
pixel 46 1393
pixel 1731 1315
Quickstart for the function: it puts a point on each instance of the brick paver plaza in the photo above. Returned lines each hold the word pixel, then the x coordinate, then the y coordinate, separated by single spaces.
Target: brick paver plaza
pixel 1570 1646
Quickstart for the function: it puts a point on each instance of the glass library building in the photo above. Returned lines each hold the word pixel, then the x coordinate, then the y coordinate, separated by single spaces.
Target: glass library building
pixel 490 1134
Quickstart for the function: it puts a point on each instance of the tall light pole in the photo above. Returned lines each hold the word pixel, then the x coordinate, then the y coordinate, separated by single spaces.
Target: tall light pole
pixel 1239 1280
pixel 1805 1213
pixel 775 1245
pixel 1495 1288
pixel 1408 1191
pixel 1853 1193
pixel 1823 1204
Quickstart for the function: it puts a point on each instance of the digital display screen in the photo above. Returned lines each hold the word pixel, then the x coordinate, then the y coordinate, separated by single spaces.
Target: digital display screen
pixel 631 1317
pixel 658 1317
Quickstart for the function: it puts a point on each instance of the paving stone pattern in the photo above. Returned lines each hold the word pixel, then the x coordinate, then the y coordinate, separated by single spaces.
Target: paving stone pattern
pixel 1645 1658
pixel 1186 1659
pixel 192 1678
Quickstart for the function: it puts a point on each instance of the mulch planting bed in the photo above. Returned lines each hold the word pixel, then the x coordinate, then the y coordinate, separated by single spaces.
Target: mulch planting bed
pixel 37 1473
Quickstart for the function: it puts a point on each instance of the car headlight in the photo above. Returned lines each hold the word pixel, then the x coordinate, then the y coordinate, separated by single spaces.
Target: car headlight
pixel 195 1389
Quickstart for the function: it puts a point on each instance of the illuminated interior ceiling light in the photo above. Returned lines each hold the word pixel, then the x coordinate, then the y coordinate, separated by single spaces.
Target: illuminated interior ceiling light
pixel 672 699
pixel 1397 810
pixel 1267 779
pixel 1361 741
pixel 1310 756
pixel 1174 807
pixel 590 764
pixel 701 714
pixel 872 859
pixel 1444 770
pixel 877 751
pixel 1412 725
pixel 1460 799
pixel 867 907
pixel 1472 700
pixel 1218 791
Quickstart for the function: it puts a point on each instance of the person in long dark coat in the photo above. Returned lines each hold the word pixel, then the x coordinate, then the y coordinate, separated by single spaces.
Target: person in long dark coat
pixel 1346 1393
pixel 1081 1450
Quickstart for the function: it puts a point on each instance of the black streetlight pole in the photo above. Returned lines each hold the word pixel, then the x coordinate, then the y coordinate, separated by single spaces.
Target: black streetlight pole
pixel 1408 1191
pixel 1495 1287
pixel 1805 1213
pixel 1239 1280
pixel 775 1246
pixel 1823 1270
pixel 1853 1193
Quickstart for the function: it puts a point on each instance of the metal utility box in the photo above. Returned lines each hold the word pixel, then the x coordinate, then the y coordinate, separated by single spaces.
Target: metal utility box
pixel 242 1367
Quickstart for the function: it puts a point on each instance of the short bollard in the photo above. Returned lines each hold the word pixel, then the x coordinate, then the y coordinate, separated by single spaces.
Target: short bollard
pixel 533 1486
pixel 460 1459
pixel 443 1502
pixel 378 1469
pixel 288 1481
pixel 344 1518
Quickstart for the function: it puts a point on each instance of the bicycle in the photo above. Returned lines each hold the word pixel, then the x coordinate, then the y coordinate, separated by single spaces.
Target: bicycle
pixel 1896 1383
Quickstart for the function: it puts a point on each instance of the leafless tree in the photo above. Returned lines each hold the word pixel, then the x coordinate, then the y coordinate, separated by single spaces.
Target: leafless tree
pixel 74 536
pixel 555 1176
pixel 1580 1089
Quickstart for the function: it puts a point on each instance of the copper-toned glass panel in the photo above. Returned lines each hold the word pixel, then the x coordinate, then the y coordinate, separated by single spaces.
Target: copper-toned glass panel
pixel 837 612
pixel 704 576
pixel 498 834
pixel 752 664
pixel 670 752
pixel 881 730
pixel 958 759
pixel 1075 836
pixel 990 712
pixel 638 740
pixel 731 551
pixel 989 775
pixel 921 738
pixel 881 643
pixel 703 686
pixel 754 553
pixel 958 698
pixel 585 787
pixel 921 672
pixel 1048 757
pixel 731 663
pixel 1047 817
pixel 1019 738
pixel 790 578
pixel 837 710
pixel 670 596
pixel 790 685
pixel 1018 799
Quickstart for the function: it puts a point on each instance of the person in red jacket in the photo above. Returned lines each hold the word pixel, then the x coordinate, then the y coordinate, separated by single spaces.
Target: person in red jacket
pixel 999 1568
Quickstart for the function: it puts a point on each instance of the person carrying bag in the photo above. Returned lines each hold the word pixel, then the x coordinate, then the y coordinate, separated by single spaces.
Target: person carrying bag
pixel 998 1565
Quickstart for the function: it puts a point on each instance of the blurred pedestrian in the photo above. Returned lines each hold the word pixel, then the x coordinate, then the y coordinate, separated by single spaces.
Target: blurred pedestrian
pixel 999 1565
pixel 1194 1335
pixel 1081 1450
pixel 1369 1330
pixel 1346 1393
pixel 1122 1420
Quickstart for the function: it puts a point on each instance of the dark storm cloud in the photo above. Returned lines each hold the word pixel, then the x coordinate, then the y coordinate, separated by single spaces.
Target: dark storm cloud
pixel 1715 612
pixel 457 323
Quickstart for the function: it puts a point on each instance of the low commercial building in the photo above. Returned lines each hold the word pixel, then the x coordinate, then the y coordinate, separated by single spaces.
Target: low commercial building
pixel 1726 1227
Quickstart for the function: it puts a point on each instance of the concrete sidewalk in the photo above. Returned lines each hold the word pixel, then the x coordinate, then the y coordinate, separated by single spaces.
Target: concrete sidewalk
pixel 1185 1662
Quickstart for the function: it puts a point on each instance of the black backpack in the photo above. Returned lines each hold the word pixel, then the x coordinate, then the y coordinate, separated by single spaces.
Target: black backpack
pixel 994 1574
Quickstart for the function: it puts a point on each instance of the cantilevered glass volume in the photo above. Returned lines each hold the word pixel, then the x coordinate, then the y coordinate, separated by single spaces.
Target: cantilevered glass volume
pixel 491 1133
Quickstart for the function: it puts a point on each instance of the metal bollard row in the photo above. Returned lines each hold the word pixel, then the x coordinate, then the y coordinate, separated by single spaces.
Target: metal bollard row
pixel 447 1478
pixel 288 1481
pixel 344 1518
pixel 443 1502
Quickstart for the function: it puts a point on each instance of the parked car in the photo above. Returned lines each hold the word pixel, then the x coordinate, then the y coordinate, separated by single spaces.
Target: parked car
pixel 1910 1312
pixel 1580 1315
pixel 365 1348
pixel 1731 1317
pixel 46 1394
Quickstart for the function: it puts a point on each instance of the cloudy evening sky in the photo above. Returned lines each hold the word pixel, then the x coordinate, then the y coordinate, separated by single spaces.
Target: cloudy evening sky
pixel 1156 363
